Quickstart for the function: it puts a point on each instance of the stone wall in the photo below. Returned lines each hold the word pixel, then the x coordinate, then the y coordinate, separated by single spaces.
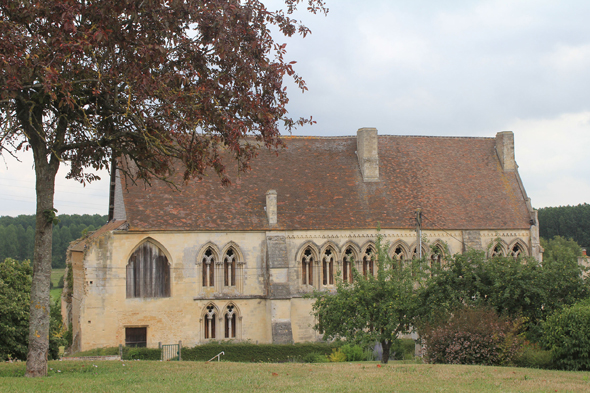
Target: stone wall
pixel 268 304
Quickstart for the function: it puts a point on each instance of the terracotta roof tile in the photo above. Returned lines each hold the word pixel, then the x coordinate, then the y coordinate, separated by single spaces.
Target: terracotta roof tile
pixel 457 182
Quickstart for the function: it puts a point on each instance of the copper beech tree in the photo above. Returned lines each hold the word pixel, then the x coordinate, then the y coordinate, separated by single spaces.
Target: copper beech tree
pixel 153 81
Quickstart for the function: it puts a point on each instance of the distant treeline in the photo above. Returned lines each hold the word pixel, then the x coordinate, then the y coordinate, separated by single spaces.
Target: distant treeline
pixel 566 221
pixel 17 235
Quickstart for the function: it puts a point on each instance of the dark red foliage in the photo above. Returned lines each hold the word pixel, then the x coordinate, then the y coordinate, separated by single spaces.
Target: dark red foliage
pixel 473 336
pixel 149 80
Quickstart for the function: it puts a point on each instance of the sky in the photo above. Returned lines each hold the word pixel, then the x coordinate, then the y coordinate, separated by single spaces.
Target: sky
pixel 438 68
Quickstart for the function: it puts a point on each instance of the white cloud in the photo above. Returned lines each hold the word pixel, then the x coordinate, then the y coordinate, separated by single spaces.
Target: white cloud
pixel 17 181
pixel 553 158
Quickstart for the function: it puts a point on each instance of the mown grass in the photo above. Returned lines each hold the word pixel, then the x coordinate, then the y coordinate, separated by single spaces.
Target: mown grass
pixel 56 274
pixel 152 376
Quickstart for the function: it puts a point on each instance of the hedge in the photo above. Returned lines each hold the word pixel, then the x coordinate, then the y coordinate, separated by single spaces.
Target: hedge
pixel 247 352
pixel 234 352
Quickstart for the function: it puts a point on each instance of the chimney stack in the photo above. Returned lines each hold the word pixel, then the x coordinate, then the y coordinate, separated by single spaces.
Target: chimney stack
pixel 271 207
pixel 368 153
pixel 505 150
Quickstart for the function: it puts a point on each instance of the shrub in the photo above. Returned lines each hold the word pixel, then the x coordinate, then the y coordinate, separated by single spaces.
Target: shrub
pixel 248 352
pixel 533 356
pixel 141 353
pixel 369 355
pixel 337 355
pixel 403 349
pixel 314 357
pixel 353 353
pixel 566 334
pixel 60 283
pixel 473 336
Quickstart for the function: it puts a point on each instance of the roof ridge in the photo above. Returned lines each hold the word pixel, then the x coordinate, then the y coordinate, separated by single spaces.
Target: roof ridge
pixel 385 135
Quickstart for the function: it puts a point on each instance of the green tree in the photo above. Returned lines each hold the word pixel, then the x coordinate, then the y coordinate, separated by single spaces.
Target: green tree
pixel 21 238
pixel 567 335
pixel 30 242
pixel 10 241
pixel 15 293
pixel 152 83
pixel 372 309
pixel 562 275
pixel 15 286
pixel 566 221
pixel 511 286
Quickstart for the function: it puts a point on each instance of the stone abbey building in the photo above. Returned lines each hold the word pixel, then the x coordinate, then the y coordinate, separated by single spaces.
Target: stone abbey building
pixel 208 262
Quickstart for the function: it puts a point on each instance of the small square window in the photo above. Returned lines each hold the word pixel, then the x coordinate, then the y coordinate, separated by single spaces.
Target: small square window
pixel 136 337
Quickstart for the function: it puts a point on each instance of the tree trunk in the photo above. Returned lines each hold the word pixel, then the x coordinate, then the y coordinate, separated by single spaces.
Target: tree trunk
pixel 386 346
pixel 39 316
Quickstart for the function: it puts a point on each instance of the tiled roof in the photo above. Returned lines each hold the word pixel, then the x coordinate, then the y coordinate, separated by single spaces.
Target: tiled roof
pixel 82 242
pixel 457 182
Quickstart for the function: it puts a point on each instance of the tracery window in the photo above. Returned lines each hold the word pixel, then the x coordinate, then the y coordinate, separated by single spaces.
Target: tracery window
pixel 347 261
pixel 368 261
pixel 230 322
pixel 436 258
pixel 415 253
pixel 307 267
pixel 328 267
pixel 229 268
pixel 497 251
pixel 148 272
pixel 210 322
pixel 517 251
pixel 208 267
pixel 399 255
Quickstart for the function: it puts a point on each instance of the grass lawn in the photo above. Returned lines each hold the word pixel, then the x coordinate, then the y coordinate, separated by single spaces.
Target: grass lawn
pixel 151 376
pixel 56 274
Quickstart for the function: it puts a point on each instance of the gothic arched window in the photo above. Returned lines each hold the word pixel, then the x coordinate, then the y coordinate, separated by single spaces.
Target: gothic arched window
pixel 368 261
pixel 497 251
pixel 148 272
pixel 517 251
pixel 328 267
pixel 229 268
pixel 307 267
pixel 398 256
pixel 347 261
pixel 230 322
pixel 208 268
pixel 436 258
pixel 210 322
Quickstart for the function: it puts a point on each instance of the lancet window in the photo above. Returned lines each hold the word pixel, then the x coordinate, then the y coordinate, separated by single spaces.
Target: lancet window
pixel 497 251
pixel 517 251
pixel 399 255
pixel 347 260
pixel 148 272
pixel 307 267
pixel 230 322
pixel 328 267
pixel 208 267
pixel 229 268
pixel 436 258
pixel 368 261
pixel 209 321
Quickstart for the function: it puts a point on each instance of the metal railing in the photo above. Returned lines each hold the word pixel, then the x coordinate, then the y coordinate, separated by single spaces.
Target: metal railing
pixel 218 356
